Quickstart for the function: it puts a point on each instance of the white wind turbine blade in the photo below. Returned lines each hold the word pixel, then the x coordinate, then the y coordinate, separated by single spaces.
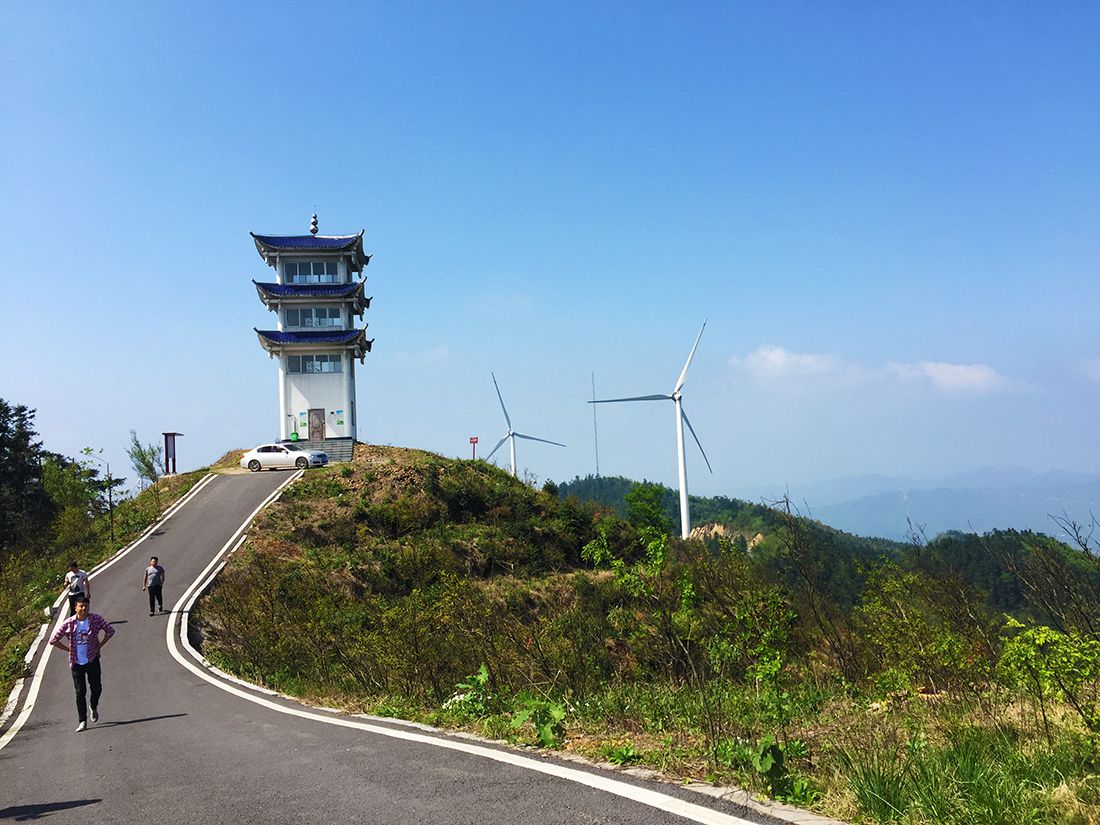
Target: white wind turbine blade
pixel 497 447
pixel 532 438
pixel 635 398
pixel 697 441
pixel 684 372
pixel 506 418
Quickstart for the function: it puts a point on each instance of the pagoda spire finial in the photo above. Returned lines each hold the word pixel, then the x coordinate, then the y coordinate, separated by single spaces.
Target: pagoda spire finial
pixel 313 224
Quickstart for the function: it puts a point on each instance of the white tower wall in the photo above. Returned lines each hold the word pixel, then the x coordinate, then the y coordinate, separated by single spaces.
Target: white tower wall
pixel 327 391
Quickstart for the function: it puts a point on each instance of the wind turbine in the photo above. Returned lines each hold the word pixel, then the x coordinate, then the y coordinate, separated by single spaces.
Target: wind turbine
pixel 681 420
pixel 512 435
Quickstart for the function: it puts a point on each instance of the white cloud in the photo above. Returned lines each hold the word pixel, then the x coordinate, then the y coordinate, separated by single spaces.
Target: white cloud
pixel 775 362
pixel 951 377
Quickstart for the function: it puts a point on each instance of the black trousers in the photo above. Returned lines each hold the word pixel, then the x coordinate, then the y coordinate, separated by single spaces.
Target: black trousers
pixel 154 595
pixel 72 602
pixel 90 672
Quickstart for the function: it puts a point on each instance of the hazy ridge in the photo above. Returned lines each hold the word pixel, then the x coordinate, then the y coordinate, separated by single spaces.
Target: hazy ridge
pixel 977 500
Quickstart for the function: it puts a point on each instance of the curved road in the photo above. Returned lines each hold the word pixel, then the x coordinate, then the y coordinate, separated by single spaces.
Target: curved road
pixel 176 744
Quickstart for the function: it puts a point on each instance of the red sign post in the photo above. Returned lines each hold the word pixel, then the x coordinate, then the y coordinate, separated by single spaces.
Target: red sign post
pixel 473 447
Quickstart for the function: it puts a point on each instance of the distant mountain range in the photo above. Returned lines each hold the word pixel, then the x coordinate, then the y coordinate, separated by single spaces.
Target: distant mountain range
pixel 975 501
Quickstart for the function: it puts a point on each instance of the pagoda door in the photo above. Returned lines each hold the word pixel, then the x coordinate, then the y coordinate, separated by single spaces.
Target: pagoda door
pixel 317 425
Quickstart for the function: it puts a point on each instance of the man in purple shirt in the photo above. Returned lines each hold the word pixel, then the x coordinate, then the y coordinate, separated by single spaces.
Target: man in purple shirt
pixel 79 635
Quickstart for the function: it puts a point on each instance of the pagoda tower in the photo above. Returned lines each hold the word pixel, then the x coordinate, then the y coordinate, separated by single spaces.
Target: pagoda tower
pixel 316 297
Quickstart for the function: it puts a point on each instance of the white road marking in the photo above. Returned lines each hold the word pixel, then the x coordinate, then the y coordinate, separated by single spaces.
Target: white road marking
pixel 13 697
pixel 646 796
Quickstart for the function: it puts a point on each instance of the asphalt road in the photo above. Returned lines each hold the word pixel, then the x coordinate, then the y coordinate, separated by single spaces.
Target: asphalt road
pixel 176 744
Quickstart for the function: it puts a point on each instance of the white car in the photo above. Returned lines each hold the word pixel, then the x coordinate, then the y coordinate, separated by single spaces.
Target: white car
pixel 281 456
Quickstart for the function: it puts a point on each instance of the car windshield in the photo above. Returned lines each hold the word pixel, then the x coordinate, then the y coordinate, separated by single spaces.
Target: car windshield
pixel 292 446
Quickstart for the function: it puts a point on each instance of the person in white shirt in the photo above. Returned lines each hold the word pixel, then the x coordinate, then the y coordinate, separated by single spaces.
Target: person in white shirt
pixel 77 584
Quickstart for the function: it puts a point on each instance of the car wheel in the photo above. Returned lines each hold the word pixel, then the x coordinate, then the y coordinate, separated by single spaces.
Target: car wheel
pixel 254 466
pixel 301 463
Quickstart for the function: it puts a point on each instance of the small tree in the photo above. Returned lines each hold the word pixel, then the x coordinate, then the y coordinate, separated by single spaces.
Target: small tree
pixel 108 485
pixel 148 463
pixel 25 507
pixel 645 506
pixel 806 553
pixel 74 490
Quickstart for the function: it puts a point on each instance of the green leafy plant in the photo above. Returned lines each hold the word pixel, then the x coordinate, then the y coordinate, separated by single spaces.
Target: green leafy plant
pixel 621 753
pixel 472 697
pixel 736 753
pixel 770 761
pixel 547 717
pixel 1050 665
pixel 802 791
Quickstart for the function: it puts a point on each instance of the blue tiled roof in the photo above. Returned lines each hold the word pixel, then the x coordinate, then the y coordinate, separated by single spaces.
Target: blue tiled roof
pixel 309 290
pixel 307 241
pixel 337 336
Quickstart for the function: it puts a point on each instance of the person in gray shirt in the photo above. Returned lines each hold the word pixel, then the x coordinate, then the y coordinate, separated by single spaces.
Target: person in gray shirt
pixel 153 581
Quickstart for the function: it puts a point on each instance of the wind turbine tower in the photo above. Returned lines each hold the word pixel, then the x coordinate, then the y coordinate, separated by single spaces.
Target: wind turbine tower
pixel 595 430
pixel 512 435
pixel 681 420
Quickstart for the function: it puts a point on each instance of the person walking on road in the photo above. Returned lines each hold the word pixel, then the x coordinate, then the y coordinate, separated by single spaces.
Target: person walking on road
pixel 77 584
pixel 79 635
pixel 153 582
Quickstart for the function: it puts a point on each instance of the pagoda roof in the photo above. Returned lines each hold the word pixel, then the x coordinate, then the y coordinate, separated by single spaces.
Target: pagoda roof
pixel 270 245
pixel 309 290
pixel 272 294
pixel 275 341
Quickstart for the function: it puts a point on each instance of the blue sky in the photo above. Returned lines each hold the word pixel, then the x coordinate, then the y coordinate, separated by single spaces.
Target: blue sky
pixel 887 212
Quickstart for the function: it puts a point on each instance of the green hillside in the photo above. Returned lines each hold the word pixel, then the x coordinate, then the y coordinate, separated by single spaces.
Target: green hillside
pixel 850 675
pixel 744 517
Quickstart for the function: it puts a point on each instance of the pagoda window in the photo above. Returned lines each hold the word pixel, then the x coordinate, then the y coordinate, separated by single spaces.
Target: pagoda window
pixel 314 363
pixel 314 317
pixel 312 272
